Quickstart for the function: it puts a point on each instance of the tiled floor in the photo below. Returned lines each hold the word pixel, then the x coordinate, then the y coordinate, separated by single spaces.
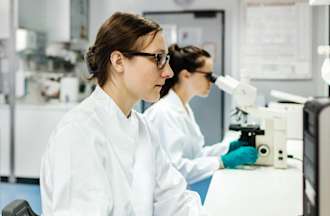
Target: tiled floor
pixel 31 193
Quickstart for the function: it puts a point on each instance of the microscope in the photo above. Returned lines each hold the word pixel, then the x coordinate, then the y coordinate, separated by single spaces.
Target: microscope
pixel 270 136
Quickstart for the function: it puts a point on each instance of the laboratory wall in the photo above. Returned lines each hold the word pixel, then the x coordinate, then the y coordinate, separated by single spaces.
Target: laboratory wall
pixel 99 11
pixel 309 87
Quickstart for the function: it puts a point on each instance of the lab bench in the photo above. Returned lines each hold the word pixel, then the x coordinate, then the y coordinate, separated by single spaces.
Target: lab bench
pixel 258 191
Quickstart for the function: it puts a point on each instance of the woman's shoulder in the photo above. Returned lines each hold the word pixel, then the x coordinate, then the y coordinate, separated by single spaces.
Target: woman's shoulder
pixel 81 116
pixel 162 111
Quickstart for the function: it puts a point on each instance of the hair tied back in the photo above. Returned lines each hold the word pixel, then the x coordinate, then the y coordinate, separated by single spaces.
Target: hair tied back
pixel 91 61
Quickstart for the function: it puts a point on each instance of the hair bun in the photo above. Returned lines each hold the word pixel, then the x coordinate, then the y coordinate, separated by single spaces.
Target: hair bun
pixel 174 48
pixel 91 60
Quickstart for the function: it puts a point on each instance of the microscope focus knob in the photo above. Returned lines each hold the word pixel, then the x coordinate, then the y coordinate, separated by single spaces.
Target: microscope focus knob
pixel 263 150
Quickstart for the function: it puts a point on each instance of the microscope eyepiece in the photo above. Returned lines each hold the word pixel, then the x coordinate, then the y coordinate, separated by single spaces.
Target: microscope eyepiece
pixel 212 78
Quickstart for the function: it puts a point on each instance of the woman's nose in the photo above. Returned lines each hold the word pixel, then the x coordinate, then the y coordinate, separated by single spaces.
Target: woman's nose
pixel 167 72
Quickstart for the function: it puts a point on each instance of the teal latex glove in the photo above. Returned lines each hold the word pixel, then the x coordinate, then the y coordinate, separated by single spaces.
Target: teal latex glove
pixel 240 156
pixel 236 144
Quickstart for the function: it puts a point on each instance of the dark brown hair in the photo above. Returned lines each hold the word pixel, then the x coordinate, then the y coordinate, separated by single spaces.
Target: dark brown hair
pixel 188 57
pixel 120 32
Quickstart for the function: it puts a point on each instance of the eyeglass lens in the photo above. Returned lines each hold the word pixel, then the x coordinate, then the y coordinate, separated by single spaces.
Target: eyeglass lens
pixel 162 60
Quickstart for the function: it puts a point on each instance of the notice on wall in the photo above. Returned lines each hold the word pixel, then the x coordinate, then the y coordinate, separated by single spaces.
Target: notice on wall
pixel 190 36
pixel 277 42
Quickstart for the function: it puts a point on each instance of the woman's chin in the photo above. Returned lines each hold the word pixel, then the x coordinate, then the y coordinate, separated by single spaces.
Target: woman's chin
pixel 152 98
pixel 205 94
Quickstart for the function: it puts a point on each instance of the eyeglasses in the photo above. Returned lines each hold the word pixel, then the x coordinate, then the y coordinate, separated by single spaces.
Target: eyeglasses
pixel 161 58
pixel 208 75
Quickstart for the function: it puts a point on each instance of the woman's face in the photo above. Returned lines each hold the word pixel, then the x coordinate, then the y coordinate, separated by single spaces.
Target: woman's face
pixel 199 83
pixel 142 77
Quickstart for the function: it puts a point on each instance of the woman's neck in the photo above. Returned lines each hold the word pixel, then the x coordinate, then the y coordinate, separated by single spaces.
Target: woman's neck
pixel 121 97
pixel 184 95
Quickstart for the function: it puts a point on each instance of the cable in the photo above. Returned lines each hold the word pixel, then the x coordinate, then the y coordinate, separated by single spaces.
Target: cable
pixel 295 158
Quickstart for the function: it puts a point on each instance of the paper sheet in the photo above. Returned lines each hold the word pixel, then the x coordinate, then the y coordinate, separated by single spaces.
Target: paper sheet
pixel 277 43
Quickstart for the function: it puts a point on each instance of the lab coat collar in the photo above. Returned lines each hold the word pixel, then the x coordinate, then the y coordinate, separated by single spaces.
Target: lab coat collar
pixel 175 101
pixel 117 126
pixel 100 94
pixel 176 104
pixel 106 100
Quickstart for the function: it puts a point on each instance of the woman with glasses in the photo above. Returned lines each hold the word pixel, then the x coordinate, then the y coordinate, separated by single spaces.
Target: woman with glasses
pixel 176 124
pixel 102 159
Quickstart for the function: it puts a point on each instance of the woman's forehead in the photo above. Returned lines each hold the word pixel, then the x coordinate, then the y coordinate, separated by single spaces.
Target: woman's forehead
pixel 208 63
pixel 155 43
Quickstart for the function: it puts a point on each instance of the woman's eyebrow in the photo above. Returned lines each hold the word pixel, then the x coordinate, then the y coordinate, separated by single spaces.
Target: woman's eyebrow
pixel 160 50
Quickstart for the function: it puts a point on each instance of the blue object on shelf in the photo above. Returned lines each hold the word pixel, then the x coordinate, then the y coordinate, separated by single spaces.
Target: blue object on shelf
pixel 201 187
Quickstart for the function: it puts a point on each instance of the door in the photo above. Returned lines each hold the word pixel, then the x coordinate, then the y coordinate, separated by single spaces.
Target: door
pixel 204 29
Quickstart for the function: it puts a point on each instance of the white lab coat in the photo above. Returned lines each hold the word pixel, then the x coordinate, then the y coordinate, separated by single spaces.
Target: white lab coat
pixel 100 163
pixel 183 140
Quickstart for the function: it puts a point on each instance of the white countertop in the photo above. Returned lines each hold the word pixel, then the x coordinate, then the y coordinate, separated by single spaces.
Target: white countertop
pixel 261 191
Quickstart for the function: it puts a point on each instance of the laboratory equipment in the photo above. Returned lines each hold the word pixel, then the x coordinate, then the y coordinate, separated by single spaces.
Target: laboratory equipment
pixel 325 70
pixel 270 136
pixel 319 2
pixel 293 106
pixel 69 87
pixel 316 175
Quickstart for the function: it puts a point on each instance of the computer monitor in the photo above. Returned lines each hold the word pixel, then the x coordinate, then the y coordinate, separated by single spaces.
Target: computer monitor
pixel 316 170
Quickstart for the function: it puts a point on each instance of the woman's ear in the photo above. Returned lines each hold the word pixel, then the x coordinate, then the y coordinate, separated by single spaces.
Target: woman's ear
pixel 117 61
pixel 185 74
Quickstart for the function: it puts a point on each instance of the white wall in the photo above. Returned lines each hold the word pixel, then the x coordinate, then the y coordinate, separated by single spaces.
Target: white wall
pixel 98 12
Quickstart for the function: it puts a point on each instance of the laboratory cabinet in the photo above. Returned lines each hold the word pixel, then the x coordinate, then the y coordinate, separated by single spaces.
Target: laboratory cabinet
pixel 72 21
pixel 34 124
